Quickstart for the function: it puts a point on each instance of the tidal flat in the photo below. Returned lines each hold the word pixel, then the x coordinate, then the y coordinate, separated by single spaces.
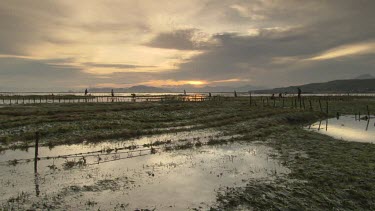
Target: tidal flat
pixel 221 154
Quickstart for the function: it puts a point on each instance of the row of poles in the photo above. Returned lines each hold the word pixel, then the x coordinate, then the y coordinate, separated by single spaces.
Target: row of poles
pixel 96 99
pixel 297 102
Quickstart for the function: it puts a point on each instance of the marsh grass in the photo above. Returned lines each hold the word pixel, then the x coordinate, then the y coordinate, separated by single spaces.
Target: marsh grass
pixel 326 174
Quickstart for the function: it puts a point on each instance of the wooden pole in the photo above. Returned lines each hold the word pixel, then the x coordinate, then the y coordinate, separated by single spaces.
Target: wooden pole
pixel 368 112
pixel 303 102
pixel 36 152
pixel 250 98
pixel 320 105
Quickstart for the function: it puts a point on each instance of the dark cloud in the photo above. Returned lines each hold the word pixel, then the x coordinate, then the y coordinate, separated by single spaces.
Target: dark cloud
pixel 23 24
pixel 27 74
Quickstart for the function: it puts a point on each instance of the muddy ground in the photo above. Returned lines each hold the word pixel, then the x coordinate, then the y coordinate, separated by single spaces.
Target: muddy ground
pixel 221 155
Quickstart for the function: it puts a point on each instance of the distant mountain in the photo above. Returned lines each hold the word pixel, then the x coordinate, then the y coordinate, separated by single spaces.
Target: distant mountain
pixel 145 89
pixel 133 89
pixel 248 88
pixel 365 76
pixel 166 89
pixel 337 86
pixel 191 88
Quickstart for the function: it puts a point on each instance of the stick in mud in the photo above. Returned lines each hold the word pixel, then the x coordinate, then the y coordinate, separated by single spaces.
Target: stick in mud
pixel 368 112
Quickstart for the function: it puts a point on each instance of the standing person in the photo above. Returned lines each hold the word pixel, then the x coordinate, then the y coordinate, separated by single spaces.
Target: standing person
pixel 112 93
pixel 299 93
pixel 86 92
pixel 280 95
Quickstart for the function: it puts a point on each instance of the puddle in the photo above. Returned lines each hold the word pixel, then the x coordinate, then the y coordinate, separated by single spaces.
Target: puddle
pixel 348 128
pixel 167 180
pixel 202 135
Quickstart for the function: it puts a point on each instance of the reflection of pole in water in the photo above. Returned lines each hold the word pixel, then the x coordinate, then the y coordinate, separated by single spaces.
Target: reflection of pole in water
pixel 37 191
pixel 36 164
pixel 36 152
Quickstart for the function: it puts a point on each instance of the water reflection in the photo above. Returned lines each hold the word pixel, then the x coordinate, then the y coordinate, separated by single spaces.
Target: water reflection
pixel 349 128
pixel 175 180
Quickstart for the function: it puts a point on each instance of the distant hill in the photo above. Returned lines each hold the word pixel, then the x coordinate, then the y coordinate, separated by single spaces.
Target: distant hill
pixel 133 89
pixel 365 76
pixel 191 88
pixel 337 86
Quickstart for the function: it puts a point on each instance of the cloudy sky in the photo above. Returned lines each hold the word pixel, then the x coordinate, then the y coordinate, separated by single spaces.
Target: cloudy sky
pixel 70 44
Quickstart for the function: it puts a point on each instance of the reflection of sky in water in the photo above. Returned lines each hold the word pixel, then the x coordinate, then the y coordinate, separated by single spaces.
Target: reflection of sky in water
pixel 347 128
pixel 175 180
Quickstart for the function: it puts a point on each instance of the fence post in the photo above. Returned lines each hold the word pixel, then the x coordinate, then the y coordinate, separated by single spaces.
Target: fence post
pixel 36 152
pixel 250 98
pixel 320 105
pixel 368 112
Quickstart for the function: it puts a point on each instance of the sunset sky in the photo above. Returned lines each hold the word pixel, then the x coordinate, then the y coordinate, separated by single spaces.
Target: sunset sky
pixel 76 44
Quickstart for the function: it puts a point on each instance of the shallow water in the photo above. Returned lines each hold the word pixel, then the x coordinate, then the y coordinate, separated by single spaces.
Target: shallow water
pixel 202 135
pixel 166 180
pixel 348 128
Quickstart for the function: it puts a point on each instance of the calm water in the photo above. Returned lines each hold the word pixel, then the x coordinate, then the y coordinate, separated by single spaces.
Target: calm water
pixel 348 128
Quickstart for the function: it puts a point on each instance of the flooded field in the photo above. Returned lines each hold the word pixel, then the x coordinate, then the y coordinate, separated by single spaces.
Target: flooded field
pixel 348 128
pixel 170 180
pixel 227 154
